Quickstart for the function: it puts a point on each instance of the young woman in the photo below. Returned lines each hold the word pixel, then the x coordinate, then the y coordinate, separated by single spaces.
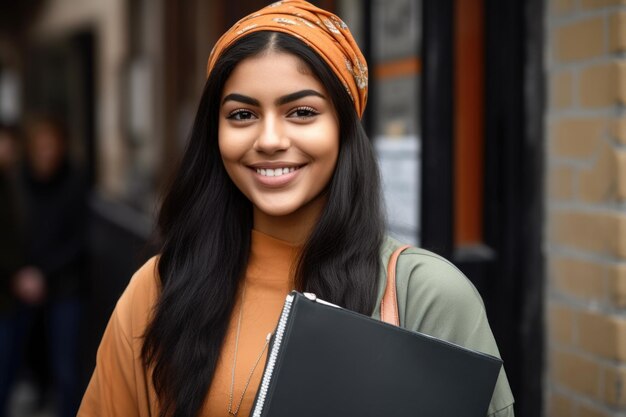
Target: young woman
pixel 278 189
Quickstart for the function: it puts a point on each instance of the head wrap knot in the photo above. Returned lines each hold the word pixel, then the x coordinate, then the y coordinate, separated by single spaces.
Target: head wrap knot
pixel 322 31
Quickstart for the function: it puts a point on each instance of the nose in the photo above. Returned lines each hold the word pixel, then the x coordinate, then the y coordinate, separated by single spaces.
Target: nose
pixel 271 138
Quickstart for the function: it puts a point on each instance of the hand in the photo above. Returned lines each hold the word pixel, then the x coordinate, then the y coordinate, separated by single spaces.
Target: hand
pixel 29 285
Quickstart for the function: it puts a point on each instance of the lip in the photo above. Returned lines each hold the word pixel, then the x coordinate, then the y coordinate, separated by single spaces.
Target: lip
pixel 275 164
pixel 275 182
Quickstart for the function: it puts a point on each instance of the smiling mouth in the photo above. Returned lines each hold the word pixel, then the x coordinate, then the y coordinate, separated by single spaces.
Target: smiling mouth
pixel 276 172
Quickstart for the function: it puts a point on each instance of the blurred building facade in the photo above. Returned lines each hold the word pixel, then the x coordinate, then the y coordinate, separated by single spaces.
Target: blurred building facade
pixel 499 125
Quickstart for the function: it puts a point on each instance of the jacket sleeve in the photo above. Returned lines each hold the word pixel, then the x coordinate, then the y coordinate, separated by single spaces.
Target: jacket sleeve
pixel 120 384
pixel 505 412
pixel 435 298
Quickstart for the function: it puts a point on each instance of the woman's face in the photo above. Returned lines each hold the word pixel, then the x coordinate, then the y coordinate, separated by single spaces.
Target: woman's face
pixel 278 134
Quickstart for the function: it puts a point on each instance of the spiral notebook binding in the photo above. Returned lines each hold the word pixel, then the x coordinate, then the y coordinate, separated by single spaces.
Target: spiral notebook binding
pixel 271 361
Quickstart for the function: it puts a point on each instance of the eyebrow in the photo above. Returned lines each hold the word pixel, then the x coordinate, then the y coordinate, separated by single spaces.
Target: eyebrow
pixel 296 96
pixel 279 101
pixel 242 99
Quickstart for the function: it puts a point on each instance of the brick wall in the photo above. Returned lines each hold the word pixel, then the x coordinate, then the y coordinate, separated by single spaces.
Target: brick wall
pixel 586 208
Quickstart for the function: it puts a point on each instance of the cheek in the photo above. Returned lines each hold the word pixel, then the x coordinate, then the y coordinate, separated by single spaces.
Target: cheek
pixel 232 151
pixel 324 146
pixel 230 148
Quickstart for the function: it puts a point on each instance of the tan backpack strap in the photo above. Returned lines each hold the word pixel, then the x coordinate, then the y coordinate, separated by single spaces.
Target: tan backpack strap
pixel 389 304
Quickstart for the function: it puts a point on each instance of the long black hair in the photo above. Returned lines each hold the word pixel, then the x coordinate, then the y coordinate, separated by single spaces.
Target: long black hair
pixel 206 222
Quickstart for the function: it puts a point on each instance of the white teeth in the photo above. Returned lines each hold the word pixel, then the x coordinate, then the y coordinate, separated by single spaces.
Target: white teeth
pixel 275 172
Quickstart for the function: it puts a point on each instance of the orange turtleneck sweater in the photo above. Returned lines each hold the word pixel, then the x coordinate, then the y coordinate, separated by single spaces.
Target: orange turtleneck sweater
pixel 268 281
pixel 120 385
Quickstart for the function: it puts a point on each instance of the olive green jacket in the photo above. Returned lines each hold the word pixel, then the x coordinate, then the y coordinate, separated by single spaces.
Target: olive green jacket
pixel 435 298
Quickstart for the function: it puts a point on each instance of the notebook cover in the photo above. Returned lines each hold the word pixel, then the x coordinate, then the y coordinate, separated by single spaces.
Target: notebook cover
pixel 335 362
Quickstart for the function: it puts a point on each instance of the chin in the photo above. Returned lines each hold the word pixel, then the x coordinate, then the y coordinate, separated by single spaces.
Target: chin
pixel 275 211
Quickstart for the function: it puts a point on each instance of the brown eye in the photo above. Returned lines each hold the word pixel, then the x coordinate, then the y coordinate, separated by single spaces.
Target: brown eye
pixel 304 112
pixel 240 114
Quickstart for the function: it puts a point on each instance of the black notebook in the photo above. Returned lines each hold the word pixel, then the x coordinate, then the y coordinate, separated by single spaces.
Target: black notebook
pixel 329 361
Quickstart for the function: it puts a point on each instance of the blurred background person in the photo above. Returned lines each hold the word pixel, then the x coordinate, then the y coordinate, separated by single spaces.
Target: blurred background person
pixel 11 258
pixel 52 282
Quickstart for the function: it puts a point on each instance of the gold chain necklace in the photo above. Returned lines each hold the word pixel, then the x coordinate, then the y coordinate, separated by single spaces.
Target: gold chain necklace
pixel 256 363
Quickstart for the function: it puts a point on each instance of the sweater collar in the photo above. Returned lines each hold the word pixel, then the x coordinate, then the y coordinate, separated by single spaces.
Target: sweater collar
pixel 271 259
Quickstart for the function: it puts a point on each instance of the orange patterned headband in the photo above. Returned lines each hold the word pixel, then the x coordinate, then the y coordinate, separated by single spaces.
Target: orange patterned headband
pixel 324 32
